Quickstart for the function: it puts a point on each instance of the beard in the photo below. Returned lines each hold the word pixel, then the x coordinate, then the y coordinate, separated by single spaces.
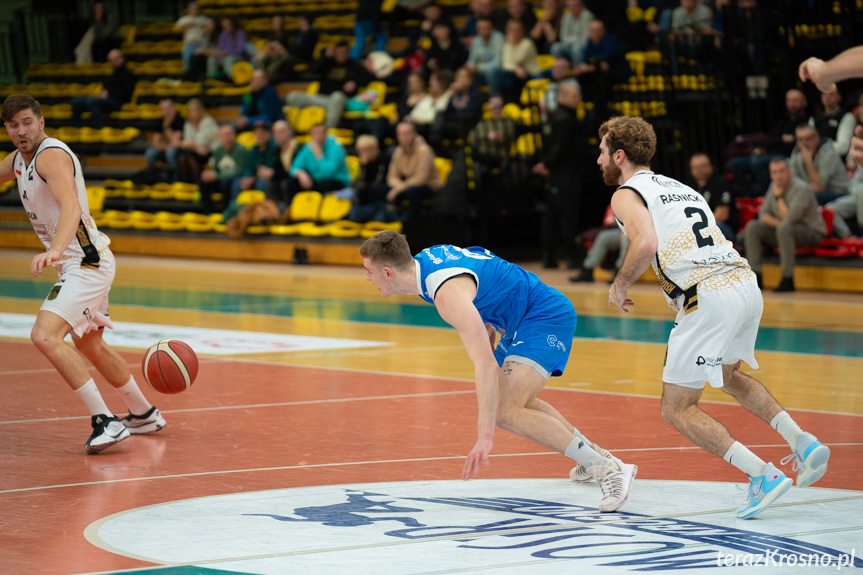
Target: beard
pixel 611 174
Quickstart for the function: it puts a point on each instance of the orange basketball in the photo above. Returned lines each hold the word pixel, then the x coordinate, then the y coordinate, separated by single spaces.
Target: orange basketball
pixel 170 366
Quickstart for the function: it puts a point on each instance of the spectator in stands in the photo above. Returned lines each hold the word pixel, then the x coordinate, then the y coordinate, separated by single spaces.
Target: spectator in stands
pixel 195 27
pixel 606 241
pixel 834 123
pixel 436 101
pixel 573 32
pixel 200 136
pixel 231 47
pixel 165 145
pixel 278 177
pixel 480 10
pixel 101 37
pixel 716 191
pixel 117 90
pixel 277 43
pixel 432 14
pixel 228 164
pixel 752 31
pixel 493 139
pixel 280 57
pixel 546 31
pixel 779 142
pixel 371 184
pixel 445 52
pixel 260 161
pixel 260 103
pixel 815 161
pixel 788 218
pixel 692 34
pixel 412 175
pixel 464 109
pixel 613 14
pixel 566 141
pixel 515 10
pixel 486 51
pixel 518 63
pixel 382 127
pixel 849 208
pixel 368 23
pixel 340 78
pixel 320 165
pixel 603 65
pixel 560 71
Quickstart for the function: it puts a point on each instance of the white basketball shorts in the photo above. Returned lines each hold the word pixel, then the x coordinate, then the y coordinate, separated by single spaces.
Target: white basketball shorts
pixel 80 295
pixel 722 330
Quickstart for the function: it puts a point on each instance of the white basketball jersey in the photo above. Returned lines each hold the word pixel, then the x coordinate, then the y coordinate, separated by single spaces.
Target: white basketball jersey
pixel 44 211
pixel 691 250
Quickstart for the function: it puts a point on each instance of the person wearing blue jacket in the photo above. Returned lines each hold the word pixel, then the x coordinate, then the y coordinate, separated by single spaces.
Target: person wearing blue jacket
pixel 261 103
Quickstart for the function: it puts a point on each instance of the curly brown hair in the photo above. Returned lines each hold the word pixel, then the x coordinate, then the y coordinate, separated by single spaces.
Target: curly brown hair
pixel 631 134
pixel 388 248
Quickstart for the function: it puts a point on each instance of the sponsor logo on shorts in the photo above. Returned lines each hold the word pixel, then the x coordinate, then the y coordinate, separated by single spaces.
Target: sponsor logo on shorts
pixel 54 292
pixel 708 361
pixel 552 340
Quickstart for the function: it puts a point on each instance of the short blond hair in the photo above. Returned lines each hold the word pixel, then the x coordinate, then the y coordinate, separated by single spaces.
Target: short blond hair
pixel 389 249
pixel 367 141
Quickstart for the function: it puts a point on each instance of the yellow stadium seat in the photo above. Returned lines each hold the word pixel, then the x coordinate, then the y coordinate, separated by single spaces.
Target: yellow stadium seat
pixel 308 117
pixel 251 197
pixel 371 228
pixel 345 229
pixel 246 139
pixel 312 230
pixel 444 167
pixel 241 73
pixel 95 198
pixel 353 167
pixel 334 208
pixel 546 61
pixel 305 206
pixel 313 88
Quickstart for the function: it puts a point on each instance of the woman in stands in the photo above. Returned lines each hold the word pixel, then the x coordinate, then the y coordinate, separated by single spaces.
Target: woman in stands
pixel 199 138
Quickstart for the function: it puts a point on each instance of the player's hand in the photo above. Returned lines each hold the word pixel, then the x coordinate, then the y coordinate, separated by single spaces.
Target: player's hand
pixel 478 457
pixel 617 298
pixel 41 261
pixel 813 69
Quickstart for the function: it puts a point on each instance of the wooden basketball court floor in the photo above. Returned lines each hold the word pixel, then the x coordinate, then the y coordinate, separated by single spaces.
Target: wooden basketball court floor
pixel 328 426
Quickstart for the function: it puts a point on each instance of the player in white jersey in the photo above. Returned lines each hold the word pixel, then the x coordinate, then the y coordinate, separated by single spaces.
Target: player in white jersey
pixel 718 307
pixel 53 193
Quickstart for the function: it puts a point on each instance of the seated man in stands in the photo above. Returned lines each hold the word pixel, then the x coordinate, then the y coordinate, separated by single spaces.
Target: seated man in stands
pixel 280 58
pixel 834 122
pixel 692 35
pixel 117 90
pixel 779 142
pixel 165 145
pixel 320 165
pixel 848 209
pixel 445 51
pixel 815 161
pixel 480 10
pixel 716 191
pixel 412 175
pixel 463 111
pixel 277 177
pixel 788 218
pixel 486 51
pixel 493 139
pixel 259 162
pixel 260 103
pixel 371 185
pixel 228 164
pixel 603 64
pixel 340 78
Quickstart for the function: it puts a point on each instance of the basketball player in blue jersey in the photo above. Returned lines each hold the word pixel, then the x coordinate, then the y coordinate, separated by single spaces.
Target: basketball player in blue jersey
pixel 480 295
pixel 718 306
pixel 54 195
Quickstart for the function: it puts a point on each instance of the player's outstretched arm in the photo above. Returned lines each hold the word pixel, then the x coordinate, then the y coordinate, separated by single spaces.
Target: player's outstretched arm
pixel 7 171
pixel 630 210
pixel 454 302
pixel 56 168
pixel 848 64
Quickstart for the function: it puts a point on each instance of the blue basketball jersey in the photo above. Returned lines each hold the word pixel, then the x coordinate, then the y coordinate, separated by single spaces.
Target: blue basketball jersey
pixel 504 291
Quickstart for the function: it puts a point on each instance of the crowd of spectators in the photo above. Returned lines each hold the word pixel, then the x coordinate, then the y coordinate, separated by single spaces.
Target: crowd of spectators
pixel 454 85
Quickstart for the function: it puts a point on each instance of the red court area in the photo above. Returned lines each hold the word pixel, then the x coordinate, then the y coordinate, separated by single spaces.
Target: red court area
pixel 248 426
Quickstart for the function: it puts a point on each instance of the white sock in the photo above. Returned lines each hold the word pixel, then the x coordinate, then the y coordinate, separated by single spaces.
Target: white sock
pixel 91 397
pixel 580 450
pixel 787 428
pixel 744 460
pixel 133 397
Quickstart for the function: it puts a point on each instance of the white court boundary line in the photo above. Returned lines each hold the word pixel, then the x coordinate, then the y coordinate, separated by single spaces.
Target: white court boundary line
pixel 374 462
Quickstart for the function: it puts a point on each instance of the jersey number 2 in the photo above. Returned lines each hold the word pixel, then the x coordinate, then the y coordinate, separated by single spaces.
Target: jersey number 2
pixel 698 226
